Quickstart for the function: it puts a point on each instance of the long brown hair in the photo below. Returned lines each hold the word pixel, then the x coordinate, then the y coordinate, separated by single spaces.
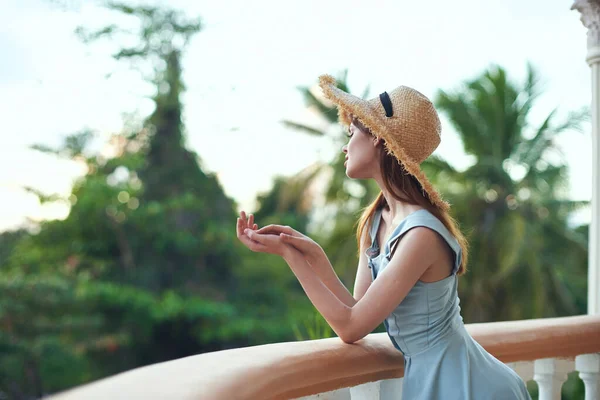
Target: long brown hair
pixel 404 187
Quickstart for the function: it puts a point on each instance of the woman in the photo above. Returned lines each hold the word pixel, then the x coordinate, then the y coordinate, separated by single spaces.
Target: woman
pixel 411 254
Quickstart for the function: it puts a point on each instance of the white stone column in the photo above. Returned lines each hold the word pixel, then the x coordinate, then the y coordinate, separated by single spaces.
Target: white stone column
pixel 590 17
pixel 550 374
pixel 588 366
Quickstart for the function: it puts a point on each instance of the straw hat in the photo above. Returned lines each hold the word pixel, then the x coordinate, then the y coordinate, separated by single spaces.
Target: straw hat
pixel 406 121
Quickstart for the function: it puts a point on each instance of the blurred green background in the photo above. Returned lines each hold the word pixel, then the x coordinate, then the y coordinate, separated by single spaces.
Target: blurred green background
pixel 146 267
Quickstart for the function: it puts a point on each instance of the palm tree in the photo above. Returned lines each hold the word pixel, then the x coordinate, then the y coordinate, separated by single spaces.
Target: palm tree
pixel 524 257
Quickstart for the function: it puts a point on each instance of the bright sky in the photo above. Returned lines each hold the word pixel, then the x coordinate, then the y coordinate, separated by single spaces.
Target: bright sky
pixel 243 69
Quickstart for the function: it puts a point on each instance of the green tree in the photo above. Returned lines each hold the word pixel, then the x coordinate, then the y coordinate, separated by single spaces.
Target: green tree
pixel 32 363
pixel 186 230
pixel 146 267
pixel 525 258
pixel 58 330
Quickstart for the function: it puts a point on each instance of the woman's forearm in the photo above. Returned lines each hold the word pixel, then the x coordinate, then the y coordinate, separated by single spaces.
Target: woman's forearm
pixel 335 311
pixel 324 270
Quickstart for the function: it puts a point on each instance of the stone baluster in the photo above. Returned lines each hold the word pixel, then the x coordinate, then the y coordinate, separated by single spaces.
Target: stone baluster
pixel 588 366
pixel 550 374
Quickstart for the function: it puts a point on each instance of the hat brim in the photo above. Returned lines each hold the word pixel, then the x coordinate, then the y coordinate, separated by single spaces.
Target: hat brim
pixel 369 115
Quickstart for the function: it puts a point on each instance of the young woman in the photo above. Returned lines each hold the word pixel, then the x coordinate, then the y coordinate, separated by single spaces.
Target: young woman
pixel 411 254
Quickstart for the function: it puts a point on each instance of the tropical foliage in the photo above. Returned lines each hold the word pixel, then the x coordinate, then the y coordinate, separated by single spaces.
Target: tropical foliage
pixel 512 201
pixel 146 267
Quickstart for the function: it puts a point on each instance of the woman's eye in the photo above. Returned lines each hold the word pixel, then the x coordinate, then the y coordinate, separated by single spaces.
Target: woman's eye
pixel 349 133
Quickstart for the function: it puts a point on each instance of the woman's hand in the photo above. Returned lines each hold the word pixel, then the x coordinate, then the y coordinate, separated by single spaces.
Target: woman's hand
pixel 263 243
pixel 308 247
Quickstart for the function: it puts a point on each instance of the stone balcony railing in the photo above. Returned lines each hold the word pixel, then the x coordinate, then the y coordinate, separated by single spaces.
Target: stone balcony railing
pixel 543 350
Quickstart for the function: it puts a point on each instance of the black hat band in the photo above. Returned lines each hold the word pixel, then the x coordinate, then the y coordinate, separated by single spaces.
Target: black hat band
pixel 387 104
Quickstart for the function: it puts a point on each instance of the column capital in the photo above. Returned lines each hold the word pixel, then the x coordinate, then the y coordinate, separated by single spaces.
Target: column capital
pixel 590 18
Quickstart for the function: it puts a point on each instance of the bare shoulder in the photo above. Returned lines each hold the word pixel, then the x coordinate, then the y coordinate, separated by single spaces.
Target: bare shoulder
pixel 424 240
pixel 431 249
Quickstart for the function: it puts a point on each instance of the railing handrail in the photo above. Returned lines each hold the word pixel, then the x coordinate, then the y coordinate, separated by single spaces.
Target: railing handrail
pixel 294 369
pixel 533 339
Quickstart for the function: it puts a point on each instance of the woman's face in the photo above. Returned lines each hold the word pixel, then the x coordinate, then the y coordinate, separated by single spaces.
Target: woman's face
pixel 362 154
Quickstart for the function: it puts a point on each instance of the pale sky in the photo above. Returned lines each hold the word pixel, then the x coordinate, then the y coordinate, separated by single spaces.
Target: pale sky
pixel 242 72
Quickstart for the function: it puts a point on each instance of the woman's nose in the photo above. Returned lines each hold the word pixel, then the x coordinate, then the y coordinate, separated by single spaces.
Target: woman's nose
pixel 345 148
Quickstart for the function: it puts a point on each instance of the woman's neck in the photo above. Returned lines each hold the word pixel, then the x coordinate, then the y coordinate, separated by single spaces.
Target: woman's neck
pixel 396 210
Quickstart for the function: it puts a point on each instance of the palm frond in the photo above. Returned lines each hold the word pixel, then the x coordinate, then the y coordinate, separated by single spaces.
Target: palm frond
pixel 44 149
pixel 565 206
pixel 568 236
pixel 530 90
pixel 437 163
pixel 303 128
pixel 530 151
pixel 459 109
pixel 43 198
pixel 328 112
pixel 574 121
pixel 553 175
pixel 440 171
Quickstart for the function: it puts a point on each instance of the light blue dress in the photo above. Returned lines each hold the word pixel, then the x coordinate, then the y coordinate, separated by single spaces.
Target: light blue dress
pixel 441 359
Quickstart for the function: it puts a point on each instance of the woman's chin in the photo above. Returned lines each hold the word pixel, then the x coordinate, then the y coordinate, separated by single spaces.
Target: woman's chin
pixel 353 174
pixel 350 174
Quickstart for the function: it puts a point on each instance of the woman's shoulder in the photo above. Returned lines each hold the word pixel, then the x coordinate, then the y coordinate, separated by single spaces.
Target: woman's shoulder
pixel 421 218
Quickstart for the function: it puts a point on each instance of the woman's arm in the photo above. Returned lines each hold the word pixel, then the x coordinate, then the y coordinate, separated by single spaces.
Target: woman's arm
pixel 351 323
pixel 324 270
pixel 332 308
pixel 319 262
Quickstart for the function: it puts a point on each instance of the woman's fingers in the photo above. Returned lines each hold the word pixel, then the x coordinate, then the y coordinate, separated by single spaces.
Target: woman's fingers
pixel 277 229
pixel 298 242
pixel 272 242
pixel 262 239
pixel 247 221
pixel 254 245
pixel 247 241
pixel 251 244
pixel 258 240
pixel 239 228
pixel 242 220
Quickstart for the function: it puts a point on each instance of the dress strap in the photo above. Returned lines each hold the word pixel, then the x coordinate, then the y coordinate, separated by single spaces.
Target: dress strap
pixel 375 226
pixel 373 251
